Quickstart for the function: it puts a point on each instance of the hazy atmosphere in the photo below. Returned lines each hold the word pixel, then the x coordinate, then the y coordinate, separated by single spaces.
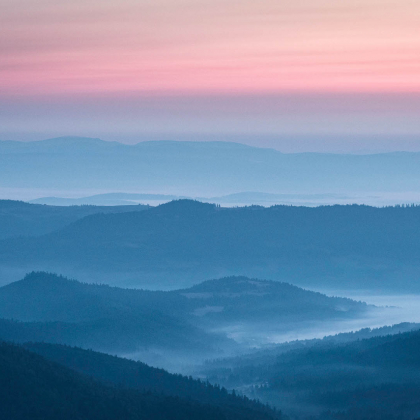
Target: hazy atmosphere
pixel 295 76
pixel 209 210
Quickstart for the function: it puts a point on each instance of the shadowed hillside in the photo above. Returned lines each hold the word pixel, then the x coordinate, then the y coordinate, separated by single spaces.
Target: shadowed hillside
pixel 32 387
pixel 336 246
pixel 374 378
pixel 113 370
pixel 46 307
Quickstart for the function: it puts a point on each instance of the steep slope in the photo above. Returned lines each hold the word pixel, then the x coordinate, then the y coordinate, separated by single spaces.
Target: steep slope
pixel 339 246
pixel 113 370
pixel 32 387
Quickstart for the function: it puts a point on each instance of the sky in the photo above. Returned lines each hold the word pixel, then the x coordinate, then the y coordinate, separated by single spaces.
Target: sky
pixel 269 69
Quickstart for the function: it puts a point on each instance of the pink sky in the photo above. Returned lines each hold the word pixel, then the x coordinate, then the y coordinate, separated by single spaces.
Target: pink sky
pixel 82 46
pixel 314 66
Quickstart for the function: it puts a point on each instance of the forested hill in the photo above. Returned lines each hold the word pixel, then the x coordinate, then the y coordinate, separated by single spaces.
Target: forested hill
pixel 18 218
pixel 375 378
pixel 113 370
pixel 357 246
pixel 270 355
pixel 109 319
pixel 54 309
pixel 44 297
pixel 34 388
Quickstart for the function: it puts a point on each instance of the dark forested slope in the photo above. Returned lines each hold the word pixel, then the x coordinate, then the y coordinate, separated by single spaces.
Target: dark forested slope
pixel 371 247
pixel 32 387
pixel 136 375
pixel 374 378
pixel 59 310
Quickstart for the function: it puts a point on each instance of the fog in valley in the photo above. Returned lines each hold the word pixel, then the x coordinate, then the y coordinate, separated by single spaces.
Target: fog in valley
pixel 304 298
pixel 209 210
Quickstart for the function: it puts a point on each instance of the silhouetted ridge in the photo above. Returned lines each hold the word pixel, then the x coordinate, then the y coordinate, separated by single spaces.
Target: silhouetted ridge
pixel 23 219
pixel 13 204
pixel 242 283
pixel 50 308
pixel 194 145
pixel 209 167
pixel 185 205
pixel 55 309
pixel 333 244
pixel 42 279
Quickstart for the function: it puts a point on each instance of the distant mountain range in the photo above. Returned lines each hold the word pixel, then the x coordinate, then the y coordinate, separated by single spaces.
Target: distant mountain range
pixel 109 199
pixel 237 199
pixel 200 169
pixel 185 242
